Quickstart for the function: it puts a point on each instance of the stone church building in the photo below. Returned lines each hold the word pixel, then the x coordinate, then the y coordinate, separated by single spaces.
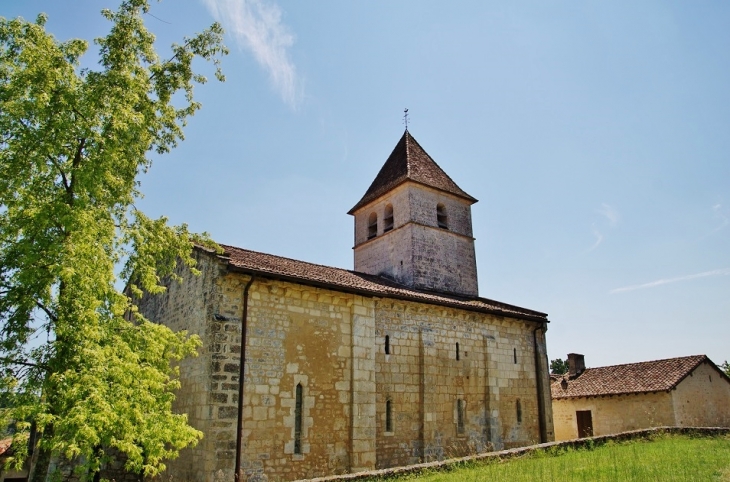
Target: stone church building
pixel 396 362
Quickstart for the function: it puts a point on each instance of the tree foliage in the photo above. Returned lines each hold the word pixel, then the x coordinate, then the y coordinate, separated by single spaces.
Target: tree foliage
pixel 558 366
pixel 726 368
pixel 77 360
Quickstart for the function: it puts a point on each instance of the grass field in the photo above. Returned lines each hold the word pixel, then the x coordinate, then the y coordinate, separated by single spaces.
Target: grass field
pixel 661 458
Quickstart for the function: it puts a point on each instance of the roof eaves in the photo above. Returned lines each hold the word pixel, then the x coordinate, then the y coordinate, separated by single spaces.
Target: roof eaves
pixel 515 307
pixel 686 373
pixel 375 294
pixel 720 371
pixel 597 395
pixel 367 199
pixel 704 359
pixel 382 191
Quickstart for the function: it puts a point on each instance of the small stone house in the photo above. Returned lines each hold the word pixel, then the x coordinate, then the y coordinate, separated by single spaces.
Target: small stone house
pixel 396 362
pixel 687 391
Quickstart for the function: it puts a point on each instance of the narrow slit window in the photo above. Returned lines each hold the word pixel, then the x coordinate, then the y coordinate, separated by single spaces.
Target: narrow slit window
pixel 298 421
pixel 388 218
pixel 457 351
pixel 441 217
pixel 515 354
pixel 459 416
pixel 387 344
pixel 388 416
pixel 519 411
pixel 372 226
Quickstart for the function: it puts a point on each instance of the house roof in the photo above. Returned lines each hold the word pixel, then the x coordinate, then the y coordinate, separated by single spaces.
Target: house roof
pixel 338 279
pixel 410 162
pixel 5 445
pixel 643 377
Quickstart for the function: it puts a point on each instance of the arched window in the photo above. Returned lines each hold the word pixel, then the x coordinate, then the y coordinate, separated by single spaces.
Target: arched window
pixel 441 217
pixel 457 350
pixel 388 218
pixel 387 344
pixel 388 416
pixel 372 226
pixel 298 420
pixel 519 411
pixel 460 415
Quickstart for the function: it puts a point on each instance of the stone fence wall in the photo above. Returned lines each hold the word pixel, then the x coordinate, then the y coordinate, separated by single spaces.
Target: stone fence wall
pixel 507 454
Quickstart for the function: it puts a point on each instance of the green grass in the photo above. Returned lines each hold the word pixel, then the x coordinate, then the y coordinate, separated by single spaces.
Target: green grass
pixel 661 458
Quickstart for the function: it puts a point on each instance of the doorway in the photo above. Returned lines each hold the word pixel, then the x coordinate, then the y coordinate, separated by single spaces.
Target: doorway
pixel 585 423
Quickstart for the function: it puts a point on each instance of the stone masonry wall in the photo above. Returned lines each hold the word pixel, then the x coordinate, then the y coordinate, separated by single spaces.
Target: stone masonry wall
pixel 398 198
pixel 321 339
pixel 423 380
pixel 417 252
pixel 389 256
pixel 614 414
pixel 192 306
pixel 544 384
pixel 316 332
pixel 702 399
pixel 443 261
pixel 414 203
pixel 332 344
pixel 423 201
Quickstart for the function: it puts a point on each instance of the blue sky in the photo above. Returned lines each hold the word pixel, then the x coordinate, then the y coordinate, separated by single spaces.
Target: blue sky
pixel 595 135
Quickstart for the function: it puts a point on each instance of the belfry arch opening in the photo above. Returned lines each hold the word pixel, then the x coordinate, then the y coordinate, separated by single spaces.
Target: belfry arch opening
pixel 388 218
pixel 441 217
pixel 372 225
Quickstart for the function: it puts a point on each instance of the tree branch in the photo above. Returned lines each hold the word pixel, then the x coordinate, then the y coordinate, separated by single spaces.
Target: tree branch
pixel 165 63
pixel 24 363
pixel 78 113
pixel 79 153
pixel 74 166
pixel 63 174
pixel 48 312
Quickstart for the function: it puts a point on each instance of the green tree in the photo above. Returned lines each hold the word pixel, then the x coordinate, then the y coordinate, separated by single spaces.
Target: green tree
pixel 77 360
pixel 558 366
pixel 726 368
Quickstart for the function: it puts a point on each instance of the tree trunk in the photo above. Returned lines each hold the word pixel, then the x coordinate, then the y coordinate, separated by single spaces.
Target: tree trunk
pixel 39 470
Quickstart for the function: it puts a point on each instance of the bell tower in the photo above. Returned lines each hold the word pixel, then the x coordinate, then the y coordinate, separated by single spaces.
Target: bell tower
pixel 413 225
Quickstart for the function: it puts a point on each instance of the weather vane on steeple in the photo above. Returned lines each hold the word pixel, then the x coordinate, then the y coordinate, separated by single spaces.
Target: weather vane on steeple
pixel 405 118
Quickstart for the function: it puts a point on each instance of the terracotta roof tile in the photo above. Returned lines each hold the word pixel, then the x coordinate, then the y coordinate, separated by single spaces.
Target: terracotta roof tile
pixel 643 377
pixel 5 445
pixel 270 266
pixel 409 162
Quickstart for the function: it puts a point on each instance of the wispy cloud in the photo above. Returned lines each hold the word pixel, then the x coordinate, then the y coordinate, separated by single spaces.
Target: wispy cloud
pixel 257 27
pixel 599 239
pixel 610 213
pixel 612 216
pixel 719 214
pixel 666 281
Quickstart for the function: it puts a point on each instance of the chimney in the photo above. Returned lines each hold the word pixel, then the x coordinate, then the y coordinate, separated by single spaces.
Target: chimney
pixel 576 364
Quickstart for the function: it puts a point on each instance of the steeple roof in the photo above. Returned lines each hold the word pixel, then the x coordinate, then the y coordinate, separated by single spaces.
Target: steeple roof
pixel 409 162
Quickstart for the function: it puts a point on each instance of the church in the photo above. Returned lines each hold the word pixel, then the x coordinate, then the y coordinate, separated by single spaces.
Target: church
pixel 398 361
